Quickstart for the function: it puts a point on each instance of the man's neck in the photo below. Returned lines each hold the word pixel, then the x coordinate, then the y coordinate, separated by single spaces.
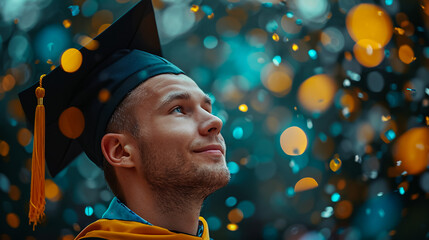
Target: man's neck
pixel 175 212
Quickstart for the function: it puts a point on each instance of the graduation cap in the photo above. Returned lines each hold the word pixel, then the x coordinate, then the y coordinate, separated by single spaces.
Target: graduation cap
pixel 80 102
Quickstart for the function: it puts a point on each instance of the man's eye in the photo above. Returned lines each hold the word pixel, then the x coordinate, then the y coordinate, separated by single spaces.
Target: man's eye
pixel 178 109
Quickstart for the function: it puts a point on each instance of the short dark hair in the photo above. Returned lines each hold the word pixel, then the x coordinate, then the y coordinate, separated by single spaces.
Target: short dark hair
pixel 123 120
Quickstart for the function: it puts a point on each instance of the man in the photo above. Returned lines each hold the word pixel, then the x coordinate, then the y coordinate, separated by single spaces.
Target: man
pixel 155 137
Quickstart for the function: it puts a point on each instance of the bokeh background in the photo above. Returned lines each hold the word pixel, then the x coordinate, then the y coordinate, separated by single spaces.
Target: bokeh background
pixel 324 104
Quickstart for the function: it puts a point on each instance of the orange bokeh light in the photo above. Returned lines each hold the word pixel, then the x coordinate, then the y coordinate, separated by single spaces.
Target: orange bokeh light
pixel 235 215
pixel 277 79
pixel 305 184
pixel 293 141
pixel 316 94
pixel 12 220
pixel 71 60
pixel 406 54
pixel 24 136
pixel 412 149
pixel 368 53
pixel 343 209
pixel 71 122
pixel 52 191
pixel 369 21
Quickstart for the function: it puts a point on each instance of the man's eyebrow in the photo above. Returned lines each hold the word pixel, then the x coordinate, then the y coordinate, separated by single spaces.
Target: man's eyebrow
pixel 180 96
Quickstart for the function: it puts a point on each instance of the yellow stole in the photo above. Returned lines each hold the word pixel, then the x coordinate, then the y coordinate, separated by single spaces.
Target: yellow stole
pixel 127 230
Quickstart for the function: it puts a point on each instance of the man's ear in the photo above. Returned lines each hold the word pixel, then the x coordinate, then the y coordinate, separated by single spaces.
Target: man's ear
pixel 118 149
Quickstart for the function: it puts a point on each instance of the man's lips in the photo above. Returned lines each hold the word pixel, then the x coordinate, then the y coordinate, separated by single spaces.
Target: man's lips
pixel 211 149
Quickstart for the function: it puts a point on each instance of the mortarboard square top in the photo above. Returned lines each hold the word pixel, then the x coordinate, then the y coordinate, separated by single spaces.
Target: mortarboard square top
pixel 123 60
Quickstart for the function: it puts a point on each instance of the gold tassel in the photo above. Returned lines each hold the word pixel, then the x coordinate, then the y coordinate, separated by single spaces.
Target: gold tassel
pixel 37 197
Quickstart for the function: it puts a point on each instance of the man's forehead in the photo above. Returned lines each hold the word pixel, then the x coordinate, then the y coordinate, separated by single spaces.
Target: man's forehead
pixel 163 85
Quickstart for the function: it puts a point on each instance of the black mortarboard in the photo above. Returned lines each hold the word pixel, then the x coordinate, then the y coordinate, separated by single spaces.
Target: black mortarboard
pixel 124 59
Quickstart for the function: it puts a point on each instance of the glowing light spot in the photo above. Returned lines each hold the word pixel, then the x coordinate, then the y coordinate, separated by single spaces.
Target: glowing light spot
pixel 71 60
pixel 8 83
pixel 305 184
pixel 103 95
pixel 293 141
pixel 389 2
pixel 4 148
pixel 368 53
pixel 235 215
pixel 343 209
pixel 207 9
pixel 400 31
pixel 89 211
pixel 335 164
pixel 52 191
pixel 88 43
pixel 195 8
pixel 312 53
pixel 401 190
pixel 278 81
pixel 316 93
pixel 233 167
pixel 67 23
pixel 335 197
pixel 295 47
pixel 390 135
pixel 277 60
pixel 210 42
pixel 385 118
pixel 406 54
pixel 238 133
pixel 231 201
pixel 232 227
pixel 289 14
pixel 74 9
pixel 103 27
pixel 24 136
pixel 276 37
pixel 369 22
pixel 14 193
pixel 243 108
pixel 412 148
pixel 214 223
pixel 12 220
pixel 327 213
pixel 211 16
pixel 71 122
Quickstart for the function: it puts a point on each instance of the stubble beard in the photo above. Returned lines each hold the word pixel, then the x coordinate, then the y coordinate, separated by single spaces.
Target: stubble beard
pixel 181 183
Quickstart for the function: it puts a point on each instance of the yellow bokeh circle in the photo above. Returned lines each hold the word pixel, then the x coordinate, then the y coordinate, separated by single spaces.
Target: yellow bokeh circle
pixel 316 94
pixel 293 141
pixel 369 21
pixel 412 150
pixel 277 79
pixel 305 184
pixel 235 215
pixel 406 54
pixel 71 122
pixel 71 60
pixel 368 53
pixel 12 220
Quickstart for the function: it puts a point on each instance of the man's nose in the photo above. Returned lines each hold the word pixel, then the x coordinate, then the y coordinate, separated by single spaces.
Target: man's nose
pixel 210 124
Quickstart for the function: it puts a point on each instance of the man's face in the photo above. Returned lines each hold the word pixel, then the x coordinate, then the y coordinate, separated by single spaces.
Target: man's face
pixel 181 146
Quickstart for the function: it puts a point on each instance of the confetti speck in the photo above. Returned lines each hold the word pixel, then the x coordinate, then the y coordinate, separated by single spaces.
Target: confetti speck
pixel 74 9
pixel 195 8
pixel 276 37
pixel 67 23
pixel 295 47
pixel 277 60
pixel 243 108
